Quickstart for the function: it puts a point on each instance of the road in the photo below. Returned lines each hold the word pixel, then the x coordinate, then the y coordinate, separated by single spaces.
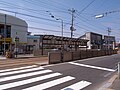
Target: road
pixel 86 74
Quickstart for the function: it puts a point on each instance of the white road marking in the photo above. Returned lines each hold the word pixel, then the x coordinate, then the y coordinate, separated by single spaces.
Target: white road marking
pixel 94 67
pixel 24 75
pixel 28 81
pixel 77 86
pixel 50 83
pixel 20 71
pixel 6 70
pixel 86 59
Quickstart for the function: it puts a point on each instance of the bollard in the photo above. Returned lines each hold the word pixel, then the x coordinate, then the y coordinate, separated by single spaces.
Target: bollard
pixel 118 70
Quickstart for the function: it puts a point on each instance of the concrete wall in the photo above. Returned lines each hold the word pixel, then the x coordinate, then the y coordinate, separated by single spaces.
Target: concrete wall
pixel 55 57
pixel 67 56
pixel 37 52
pixel 76 55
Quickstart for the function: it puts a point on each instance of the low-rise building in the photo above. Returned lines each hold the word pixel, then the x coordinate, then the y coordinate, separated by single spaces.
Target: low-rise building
pixel 98 41
pixel 109 42
pixel 33 41
pixel 95 40
pixel 12 27
pixel 45 43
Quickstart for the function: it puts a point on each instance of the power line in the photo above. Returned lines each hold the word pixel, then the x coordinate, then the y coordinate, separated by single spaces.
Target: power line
pixel 87 22
pixel 42 3
pixel 59 22
pixel 31 27
pixel 86 7
pixel 32 16
pixel 59 3
pixel 27 9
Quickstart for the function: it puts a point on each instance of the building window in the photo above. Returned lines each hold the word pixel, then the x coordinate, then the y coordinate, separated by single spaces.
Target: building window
pixel 8 30
pixel 34 41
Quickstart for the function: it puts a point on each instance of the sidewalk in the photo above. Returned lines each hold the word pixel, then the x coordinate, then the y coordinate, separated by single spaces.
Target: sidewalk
pixel 115 85
pixel 22 61
pixel 19 56
pixel 2 57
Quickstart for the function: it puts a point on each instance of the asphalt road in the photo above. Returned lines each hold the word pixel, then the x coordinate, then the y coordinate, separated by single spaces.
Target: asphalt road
pixel 86 74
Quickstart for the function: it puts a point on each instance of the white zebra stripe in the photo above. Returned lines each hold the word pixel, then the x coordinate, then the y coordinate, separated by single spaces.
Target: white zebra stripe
pixel 24 75
pixel 50 83
pixel 6 70
pixel 77 86
pixel 20 71
pixel 28 81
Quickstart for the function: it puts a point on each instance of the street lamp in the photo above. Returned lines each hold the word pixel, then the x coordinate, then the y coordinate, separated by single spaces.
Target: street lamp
pixel 99 16
pixel 61 23
pixel 109 29
pixel 61 27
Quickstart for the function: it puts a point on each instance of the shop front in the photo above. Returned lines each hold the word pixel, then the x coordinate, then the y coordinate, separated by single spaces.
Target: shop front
pixel 5 42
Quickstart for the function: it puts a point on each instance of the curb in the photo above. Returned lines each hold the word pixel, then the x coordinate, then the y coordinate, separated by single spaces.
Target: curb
pixel 111 81
pixel 23 64
pixel 107 85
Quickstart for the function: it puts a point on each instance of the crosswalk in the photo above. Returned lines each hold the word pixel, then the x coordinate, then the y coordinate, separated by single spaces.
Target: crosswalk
pixel 37 78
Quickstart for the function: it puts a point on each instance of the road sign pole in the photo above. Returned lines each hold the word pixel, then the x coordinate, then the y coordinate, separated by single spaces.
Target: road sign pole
pixel 5 35
pixel 119 70
pixel 16 45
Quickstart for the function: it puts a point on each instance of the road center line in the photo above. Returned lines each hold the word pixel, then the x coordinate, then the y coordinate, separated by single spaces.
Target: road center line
pixel 94 67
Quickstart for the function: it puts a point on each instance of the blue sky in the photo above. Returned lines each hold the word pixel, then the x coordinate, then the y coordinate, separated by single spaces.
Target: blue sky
pixel 83 22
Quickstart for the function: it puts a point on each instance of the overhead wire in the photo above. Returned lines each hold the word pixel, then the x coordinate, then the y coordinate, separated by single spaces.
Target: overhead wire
pixel 36 17
pixel 59 3
pixel 36 28
pixel 37 11
pixel 86 21
pixel 42 3
pixel 32 16
pixel 48 19
pixel 90 28
pixel 86 6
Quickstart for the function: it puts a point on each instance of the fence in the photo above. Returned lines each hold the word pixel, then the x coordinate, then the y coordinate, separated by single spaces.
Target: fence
pixel 57 57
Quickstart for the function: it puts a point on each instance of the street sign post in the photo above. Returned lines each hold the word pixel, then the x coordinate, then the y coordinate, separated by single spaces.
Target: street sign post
pixel 16 47
pixel 119 70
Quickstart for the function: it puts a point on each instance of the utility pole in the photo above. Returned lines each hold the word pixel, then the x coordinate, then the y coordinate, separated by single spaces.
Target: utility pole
pixel 62 34
pixel 5 35
pixel 109 31
pixel 72 23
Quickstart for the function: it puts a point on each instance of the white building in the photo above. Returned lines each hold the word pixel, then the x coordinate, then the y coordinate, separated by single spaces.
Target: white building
pixel 33 41
pixel 95 40
pixel 109 42
pixel 15 27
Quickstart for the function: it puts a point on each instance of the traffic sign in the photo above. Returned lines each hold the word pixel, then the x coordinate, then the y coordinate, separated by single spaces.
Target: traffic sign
pixel 16 39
